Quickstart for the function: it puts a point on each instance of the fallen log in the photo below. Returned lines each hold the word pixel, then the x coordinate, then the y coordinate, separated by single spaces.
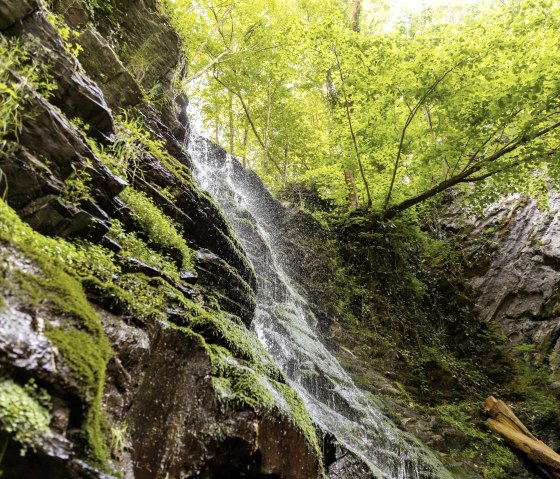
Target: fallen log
pixel 504 422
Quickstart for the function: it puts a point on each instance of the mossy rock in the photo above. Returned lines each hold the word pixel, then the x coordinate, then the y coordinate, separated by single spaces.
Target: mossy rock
pixel 42 283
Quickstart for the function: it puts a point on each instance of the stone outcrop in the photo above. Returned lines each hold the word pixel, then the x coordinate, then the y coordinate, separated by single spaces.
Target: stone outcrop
pixel 515 270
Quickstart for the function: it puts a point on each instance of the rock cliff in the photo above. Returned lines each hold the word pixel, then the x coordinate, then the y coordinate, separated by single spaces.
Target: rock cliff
pixel 515 253
pixel 124 350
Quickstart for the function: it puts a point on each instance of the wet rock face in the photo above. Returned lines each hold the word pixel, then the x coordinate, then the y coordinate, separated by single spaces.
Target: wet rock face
pixel 50 149
pixel 178 429
pixel 12 11
pixel 76 94
pixel 515 253
pixel 100 61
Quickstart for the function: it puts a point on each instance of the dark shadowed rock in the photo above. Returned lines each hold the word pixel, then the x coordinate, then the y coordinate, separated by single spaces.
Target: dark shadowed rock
pixel 206 439
pixel 148 46
pixel 75 12
pixel 34 185
pixel 13 11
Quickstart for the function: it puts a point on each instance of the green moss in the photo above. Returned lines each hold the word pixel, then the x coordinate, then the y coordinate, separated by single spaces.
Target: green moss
pixel 229 331
pixel 244 386
pixel 239 384
pixel 243 373
pixel 86 358
pixel 21 414
pixel 146 297
pixel 61 291
pixel 535 403
pixel 495 457
pixel 159 228
pixel 67 265
pixel 300 416
pixel 81 341
pixel 134 247
pixel 2 287
pixel 456 415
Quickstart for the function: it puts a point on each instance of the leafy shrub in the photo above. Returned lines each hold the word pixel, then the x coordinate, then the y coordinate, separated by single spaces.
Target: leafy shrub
pixel 19 75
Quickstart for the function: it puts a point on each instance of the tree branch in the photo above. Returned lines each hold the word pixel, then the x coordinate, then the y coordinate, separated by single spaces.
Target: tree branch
pixel 408 121
pixel 349 117
pixel 250 120
pixel 466 175
pixel 203 70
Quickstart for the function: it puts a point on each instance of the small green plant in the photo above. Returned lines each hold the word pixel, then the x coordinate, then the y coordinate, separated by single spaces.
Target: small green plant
pixel 20 74
pixel 22 413
pixel 77 186
pixel 120 439
pixel 133 141
pixel 102 8
pixel 66 33
pixel 134 247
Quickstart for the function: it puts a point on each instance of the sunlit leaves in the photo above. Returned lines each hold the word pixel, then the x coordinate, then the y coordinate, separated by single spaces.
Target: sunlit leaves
pixel 481 77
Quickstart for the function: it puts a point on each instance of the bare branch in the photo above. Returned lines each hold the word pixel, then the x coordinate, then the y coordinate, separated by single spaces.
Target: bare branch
pixel 203 70
pixel 205 42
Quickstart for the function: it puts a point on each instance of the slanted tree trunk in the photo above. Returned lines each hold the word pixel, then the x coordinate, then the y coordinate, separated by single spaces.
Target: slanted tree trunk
pixel 231 126
pixel 244 145
pixel 504 422
pixel 351 127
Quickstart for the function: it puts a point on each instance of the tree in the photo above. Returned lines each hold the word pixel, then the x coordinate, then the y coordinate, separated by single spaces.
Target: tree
pixel 465 97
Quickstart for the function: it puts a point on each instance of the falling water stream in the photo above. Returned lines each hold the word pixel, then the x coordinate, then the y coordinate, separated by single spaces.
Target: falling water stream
pixel 287 327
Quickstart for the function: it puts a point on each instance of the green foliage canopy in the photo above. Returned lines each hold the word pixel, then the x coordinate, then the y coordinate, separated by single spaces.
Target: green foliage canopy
pixel 463 96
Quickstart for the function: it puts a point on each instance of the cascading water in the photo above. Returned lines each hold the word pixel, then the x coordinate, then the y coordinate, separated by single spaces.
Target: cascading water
pixel 286 326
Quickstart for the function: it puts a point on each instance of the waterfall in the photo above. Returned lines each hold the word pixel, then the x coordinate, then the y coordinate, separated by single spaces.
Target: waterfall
pixel 287 327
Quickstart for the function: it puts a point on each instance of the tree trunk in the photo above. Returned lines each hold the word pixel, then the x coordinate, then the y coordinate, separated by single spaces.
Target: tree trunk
pixel 351 184
pixel 286 152
pixel 505 423
pixel 244 145
pixel 356 10
pixel 267 127
pixel 231 128
pixel 351 128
